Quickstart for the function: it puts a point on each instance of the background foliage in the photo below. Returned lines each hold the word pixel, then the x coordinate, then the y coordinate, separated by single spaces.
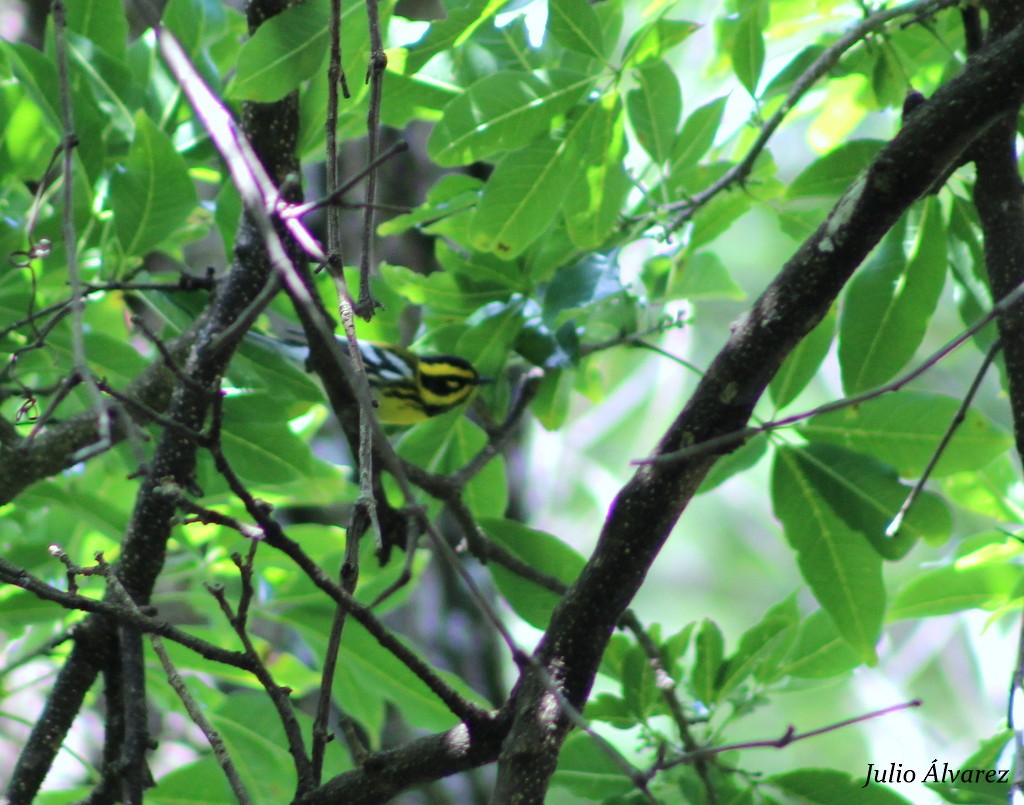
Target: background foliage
pixel 594 195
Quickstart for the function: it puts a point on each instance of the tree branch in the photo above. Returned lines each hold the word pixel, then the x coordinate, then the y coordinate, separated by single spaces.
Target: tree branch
pixel 647 508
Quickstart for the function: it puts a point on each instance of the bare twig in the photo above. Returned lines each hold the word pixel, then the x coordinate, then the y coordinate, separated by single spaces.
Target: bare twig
pixel 667 687
pixel 70 238
pixel 195 712
pixel 375 76
pixel 730 441
pixel 822 65
pixel 893 529
pixel 788 737
pixel 333 199
pixel 278 695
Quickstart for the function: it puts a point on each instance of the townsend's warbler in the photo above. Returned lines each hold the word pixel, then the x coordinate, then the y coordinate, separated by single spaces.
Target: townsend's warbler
pixel 408 388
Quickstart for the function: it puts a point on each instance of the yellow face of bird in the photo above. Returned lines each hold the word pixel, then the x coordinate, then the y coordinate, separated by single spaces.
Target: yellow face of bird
pixel 410 389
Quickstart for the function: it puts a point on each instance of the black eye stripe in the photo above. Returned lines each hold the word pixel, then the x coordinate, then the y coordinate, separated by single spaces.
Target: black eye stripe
pixel 444 384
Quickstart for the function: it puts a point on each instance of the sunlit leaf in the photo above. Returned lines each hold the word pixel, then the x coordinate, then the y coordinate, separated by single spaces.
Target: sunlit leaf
pixel 522 197
pixel 500 113
pixel 575 24
pixel 748 52
pixel 152 194
pixel 285 51
pixel 655 107
pixel 904 430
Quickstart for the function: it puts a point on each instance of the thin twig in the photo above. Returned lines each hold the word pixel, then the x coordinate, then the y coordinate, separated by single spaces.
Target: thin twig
pixel 822 65
pixel 667 687
pixel 70 141
pixel 275 536
pixel 375 77
pixel 335 262
pixel 195 712
pixel 279 695
pixel 333 199
pixel 788 737
pixel 730 441
pixel 19 577
pixel 893 529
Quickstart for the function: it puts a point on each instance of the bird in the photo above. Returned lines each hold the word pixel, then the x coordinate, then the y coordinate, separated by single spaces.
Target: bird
pixel 409 388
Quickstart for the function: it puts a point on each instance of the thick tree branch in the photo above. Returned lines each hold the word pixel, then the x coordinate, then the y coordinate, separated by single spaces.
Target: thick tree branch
pixel 999 197
pixel 25 461
pixel 647 508
pixel 383 775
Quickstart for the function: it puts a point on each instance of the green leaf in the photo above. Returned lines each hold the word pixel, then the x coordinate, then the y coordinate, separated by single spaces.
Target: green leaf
pixel 261 365
pixel 983 787
pixel 366 669
pixel 502 112
pixel 887 307
pixel 439 291
pixel 452 31
pixel 801 365
pixel 888 82
pixel 454 194
pixel 716 217
pixel 576 26
pixel 748 52
pixel 283 52
pixel 152 195
pixel 904 429
pixel 103 22
pixel 761 647
pixel 522 198
pixel 409 98
pixel 707 664
pixel 259 444
pixel 475 272
pixel 590 279
pixel 194 22
pixel 110 81
pixel 820 651
pixel 540 550
pixel 987 491
pixel 702 276
pixel 639 684
pixel 830 787
pixel 228 211
pixel 489 339
pixel 964 585
pixel 837 562
pixel 866 494
pixel 657 38
pixel 655 108
pixel 586 770
pixel 611 710
pixel 201 782
pixel 37 76
pixel 551 405
pixel 832 174
pixel 594 201
pixel 255 741
pixel 784 80
pixel 698 135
